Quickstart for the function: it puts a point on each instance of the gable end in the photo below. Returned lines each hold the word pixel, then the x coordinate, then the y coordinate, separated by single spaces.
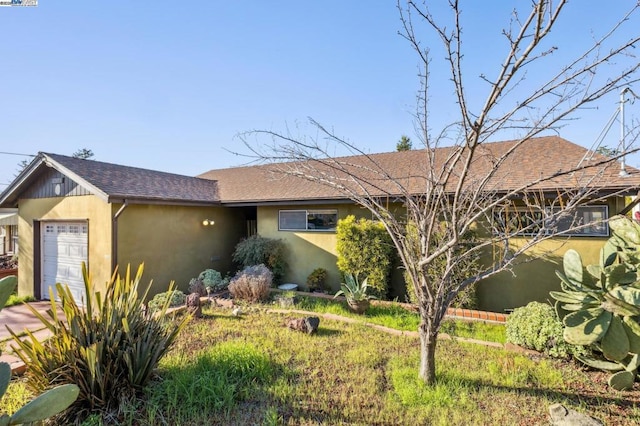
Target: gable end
pixel 53 184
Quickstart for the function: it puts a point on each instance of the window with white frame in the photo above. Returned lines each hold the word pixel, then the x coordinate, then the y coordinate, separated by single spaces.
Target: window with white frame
pixel 586 221
pixel 307 220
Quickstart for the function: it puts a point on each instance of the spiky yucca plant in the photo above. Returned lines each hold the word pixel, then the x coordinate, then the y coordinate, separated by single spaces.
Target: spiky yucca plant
pixel 109 348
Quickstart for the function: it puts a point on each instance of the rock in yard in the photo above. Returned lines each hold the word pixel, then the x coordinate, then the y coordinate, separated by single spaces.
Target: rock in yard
pixel 297 324
pixel 193 305
pixel 562 416
pixel 312 324
pixel 306 325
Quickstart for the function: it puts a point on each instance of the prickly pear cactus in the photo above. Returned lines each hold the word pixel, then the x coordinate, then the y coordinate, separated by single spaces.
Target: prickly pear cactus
pixel 600 304
pixel 44 406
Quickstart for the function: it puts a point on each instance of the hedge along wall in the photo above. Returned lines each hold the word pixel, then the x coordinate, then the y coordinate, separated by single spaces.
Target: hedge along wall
pixel 365 250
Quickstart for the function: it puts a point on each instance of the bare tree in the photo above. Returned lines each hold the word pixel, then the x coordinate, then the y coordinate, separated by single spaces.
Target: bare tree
pixel 461 181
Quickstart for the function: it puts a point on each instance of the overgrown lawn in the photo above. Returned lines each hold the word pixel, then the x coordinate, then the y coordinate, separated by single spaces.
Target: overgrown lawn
pixel 252 370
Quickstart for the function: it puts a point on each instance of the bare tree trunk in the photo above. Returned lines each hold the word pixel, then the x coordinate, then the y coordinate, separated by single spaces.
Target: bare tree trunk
pixel 428 340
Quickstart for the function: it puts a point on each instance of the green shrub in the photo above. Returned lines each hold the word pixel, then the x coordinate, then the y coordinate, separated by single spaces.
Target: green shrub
pixel 213 279
pixel 109 348
pixel 175 298
pixel 14 299
pixel 210 280
pixel 465 299
pixel 537 327
pixel 316 281
pixel 365 250
pixel 252 284
pixel 257 250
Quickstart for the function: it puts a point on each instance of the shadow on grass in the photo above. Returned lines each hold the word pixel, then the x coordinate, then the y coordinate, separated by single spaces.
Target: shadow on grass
pixel 328 332
pixel 213 314
pixel 207 316
pixel 455 383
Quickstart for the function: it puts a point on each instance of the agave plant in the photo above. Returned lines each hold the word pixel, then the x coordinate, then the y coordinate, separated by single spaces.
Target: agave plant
pixel 600 305
pixel 47 404
pixel 352 289
pixel 355 293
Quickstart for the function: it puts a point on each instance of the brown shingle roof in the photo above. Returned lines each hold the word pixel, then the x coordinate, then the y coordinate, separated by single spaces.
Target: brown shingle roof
pixel 123 182
pixel 535 158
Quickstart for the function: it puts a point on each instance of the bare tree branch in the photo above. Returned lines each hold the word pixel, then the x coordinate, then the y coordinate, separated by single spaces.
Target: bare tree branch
pixel 446 192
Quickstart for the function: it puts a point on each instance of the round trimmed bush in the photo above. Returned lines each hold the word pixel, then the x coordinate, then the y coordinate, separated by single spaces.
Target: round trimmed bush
pixel 536 326
pixel 177 297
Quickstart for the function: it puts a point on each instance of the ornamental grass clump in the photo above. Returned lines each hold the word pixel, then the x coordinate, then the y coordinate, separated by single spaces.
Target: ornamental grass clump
pixel 252 284
pixel 109 348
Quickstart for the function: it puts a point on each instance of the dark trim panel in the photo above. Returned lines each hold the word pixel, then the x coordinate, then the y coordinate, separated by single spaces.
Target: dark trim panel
pixel 37 260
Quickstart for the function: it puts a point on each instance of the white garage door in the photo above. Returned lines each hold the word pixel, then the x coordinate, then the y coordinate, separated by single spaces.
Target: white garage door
pixel 64 248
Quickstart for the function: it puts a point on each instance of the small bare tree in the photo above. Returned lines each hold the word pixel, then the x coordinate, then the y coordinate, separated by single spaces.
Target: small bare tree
pixel 459 181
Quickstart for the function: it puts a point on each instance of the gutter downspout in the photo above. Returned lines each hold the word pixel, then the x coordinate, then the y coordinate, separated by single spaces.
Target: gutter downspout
pixel 114 236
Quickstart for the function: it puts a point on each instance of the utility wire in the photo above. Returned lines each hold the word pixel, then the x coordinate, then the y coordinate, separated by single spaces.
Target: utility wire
pixel 17 153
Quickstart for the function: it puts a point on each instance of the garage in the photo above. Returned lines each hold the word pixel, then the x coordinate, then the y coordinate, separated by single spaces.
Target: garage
pixel 64 248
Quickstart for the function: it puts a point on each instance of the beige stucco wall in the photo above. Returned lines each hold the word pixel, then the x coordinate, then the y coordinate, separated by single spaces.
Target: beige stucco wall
pixel 89 208
pixel 530 280
pixel 307 250
pixel 535 276
pixel 174 244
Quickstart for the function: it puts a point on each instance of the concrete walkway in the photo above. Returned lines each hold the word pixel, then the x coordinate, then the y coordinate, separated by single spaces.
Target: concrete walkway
pixel 20 318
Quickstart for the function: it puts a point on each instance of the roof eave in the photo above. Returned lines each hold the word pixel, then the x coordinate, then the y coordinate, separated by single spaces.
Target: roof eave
pixel 283 202
pixel 161 201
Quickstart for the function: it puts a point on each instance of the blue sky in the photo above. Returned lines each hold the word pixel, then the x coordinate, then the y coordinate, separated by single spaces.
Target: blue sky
pixel 167 85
